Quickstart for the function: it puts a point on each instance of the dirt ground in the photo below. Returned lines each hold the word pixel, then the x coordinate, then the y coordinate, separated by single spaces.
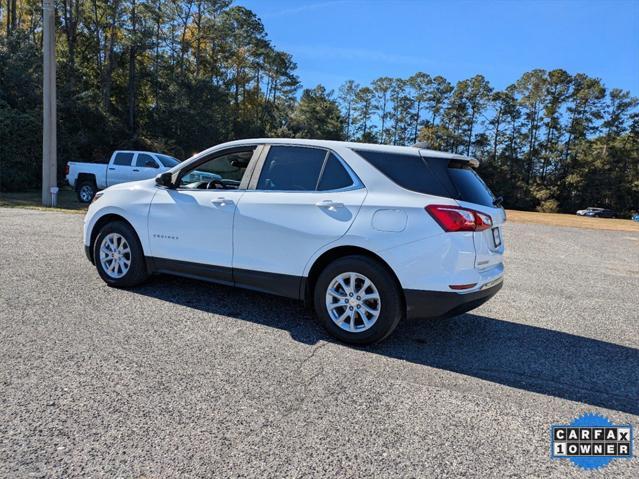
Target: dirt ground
pixel 573 221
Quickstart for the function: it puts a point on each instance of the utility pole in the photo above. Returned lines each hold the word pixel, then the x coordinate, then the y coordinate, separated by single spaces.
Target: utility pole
pixel 49 160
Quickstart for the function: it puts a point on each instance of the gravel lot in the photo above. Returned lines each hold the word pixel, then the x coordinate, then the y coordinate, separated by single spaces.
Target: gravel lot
pixel 182 378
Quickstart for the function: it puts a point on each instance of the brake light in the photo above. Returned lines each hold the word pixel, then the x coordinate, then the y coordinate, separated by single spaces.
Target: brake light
pixel 456 218
pixel 66 169
pixel 483 221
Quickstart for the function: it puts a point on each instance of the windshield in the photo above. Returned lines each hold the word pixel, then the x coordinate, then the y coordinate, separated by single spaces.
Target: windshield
pixel 167 161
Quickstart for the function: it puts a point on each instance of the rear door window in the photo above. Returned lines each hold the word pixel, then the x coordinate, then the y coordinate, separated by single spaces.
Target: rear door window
pixel 123 159
pixel 334 175
pixel 291 168
pixel 146 161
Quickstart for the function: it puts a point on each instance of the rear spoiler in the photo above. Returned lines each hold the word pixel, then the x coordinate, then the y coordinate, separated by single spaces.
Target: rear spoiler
pixel 474 162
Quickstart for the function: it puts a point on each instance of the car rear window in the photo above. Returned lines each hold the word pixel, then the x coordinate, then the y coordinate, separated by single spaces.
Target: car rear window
pixel 470 186
pixel 408 171
pixel 431 176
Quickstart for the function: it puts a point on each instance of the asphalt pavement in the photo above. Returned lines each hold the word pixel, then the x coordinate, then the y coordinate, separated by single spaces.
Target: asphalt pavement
pixel 180 378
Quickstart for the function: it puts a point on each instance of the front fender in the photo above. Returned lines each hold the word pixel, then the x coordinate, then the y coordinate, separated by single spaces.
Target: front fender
pixel 131 204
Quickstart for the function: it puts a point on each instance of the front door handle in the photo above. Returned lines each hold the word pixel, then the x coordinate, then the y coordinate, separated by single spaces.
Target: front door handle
pixel 329 204
pixel 135 169
pixel 220 201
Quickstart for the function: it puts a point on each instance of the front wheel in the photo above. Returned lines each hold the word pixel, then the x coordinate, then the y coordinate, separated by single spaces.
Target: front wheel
pixel 358 300
pixel 118 256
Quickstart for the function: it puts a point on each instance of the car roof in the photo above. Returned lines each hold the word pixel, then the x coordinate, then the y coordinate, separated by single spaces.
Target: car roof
pixel 406 150
pixel 140 151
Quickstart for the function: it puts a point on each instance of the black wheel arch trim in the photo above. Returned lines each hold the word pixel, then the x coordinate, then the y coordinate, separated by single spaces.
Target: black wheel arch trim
pixel 85 178
pixel 330 255
pixel 99 224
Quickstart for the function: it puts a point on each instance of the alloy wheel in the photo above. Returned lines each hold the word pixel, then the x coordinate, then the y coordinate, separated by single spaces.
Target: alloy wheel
pixel 353 302
pixel 115 255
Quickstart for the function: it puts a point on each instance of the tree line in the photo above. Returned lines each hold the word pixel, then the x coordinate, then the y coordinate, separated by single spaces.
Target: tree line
pixel 179 76
pixel 551 141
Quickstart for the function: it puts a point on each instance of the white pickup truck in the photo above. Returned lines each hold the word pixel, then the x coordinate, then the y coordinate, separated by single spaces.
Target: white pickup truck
pixel 88 178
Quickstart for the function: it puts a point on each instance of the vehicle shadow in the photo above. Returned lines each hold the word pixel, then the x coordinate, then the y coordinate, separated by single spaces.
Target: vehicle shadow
pixel 534 359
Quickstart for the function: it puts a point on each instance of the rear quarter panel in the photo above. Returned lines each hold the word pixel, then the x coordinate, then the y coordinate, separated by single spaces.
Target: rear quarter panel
pixel 393 224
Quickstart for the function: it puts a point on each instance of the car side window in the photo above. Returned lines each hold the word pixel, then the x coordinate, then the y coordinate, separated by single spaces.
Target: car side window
pixel 123 159
pixel 220 172
pixel 291 168
pixel 334 175
pixel 146 161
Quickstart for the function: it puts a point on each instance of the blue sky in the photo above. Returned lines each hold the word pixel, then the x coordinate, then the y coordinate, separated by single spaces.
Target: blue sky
pixel 336 40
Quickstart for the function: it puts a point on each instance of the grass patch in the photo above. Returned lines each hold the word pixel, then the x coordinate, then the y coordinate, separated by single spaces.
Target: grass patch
pixel 67 201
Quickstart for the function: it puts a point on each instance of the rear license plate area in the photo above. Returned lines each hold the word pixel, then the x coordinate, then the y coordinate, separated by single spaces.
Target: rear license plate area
pixel 496 237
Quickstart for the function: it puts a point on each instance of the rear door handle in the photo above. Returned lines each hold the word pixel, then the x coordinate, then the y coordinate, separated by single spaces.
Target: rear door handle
pixel 329 204
pixel 221 201
pixel 111 168
pixel 135 169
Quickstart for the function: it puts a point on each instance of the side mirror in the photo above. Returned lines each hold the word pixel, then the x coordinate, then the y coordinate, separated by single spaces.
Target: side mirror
pixel 165 179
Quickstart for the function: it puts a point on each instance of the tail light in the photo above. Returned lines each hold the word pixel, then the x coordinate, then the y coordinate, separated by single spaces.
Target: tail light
pixel 66 169
pixel 456 218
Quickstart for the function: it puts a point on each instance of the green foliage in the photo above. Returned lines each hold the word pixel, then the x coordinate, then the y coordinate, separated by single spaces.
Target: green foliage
pixel 180 76
pixel 317 116
pixel 176 77
pixel 550 141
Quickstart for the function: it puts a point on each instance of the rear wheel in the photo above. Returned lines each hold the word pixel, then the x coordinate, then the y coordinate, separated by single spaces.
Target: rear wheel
pixel 358 300
pixel 86 191
pixel 118 256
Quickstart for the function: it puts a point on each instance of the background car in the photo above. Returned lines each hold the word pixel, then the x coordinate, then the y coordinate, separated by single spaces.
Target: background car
pixel 124 166
pixel 597 212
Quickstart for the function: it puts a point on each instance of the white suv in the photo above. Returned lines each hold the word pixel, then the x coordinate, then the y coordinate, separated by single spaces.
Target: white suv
pixel 368 234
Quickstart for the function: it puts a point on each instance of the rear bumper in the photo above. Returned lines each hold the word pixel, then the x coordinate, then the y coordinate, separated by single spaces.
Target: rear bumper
pixel 435 304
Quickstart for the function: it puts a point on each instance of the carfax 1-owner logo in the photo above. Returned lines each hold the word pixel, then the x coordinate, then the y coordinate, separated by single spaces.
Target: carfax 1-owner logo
pixel 591 441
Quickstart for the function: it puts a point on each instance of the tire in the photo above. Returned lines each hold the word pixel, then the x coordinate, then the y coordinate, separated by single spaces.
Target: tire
pixel 389 308
pixel 86 190
pixel 119 275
